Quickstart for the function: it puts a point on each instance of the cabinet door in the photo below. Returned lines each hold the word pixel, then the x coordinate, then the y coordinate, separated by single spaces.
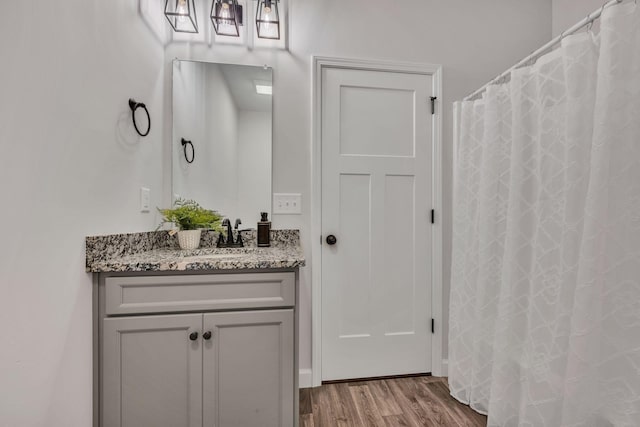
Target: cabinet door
pixel 152 371
pixel 248 369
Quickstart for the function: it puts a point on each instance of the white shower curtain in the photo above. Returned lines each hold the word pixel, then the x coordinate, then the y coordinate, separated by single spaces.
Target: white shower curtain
pixel 545 291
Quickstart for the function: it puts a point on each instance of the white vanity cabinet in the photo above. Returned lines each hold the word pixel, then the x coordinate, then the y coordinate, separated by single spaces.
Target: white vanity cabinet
pixel 197 349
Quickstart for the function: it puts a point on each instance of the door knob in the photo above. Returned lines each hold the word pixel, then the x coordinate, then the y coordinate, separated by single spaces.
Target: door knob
pixel 193 336
pixel 331 239
pixel 207 335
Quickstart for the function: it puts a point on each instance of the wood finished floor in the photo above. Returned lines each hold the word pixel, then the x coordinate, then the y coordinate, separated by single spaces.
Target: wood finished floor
pixel 417 401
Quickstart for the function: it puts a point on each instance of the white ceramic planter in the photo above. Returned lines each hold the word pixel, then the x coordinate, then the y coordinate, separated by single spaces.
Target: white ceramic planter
pixel 189 239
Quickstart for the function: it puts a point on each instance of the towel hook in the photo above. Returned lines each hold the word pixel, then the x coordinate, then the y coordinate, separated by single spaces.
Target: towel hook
pixel 134 106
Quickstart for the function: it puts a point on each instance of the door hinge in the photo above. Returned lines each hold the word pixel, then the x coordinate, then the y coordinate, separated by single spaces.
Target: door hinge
pixel 433 216
pixel 433 325
pixel 433 104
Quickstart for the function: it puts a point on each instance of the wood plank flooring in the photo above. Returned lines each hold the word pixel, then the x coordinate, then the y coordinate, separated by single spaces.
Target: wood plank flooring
pixel 416 401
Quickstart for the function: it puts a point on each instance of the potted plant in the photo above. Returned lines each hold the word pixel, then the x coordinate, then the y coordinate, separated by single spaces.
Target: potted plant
pixel 190 218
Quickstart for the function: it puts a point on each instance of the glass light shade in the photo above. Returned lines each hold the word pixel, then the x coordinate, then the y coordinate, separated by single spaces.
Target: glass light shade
pixel 226 16
pixel 268 19
pixel 181 14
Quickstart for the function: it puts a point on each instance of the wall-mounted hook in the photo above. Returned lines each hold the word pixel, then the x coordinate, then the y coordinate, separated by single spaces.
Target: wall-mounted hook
pixel 134 106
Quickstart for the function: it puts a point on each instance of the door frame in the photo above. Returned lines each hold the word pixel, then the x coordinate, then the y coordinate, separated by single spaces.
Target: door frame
pixel 318 63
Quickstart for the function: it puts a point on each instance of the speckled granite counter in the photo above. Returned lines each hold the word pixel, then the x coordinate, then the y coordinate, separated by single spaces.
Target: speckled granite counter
pixel 157 251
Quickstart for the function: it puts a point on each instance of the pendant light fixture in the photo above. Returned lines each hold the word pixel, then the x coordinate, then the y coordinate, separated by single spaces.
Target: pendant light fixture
pixel 181 14
pixel 268 19
pixel 226 16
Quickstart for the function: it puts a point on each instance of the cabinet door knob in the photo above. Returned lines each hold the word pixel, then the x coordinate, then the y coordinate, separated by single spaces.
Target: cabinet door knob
pixel 207 335
pixel 193 336
pixel 331 239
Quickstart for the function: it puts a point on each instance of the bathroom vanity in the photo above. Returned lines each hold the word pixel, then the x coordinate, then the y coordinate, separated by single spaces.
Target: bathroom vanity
pixel 195 338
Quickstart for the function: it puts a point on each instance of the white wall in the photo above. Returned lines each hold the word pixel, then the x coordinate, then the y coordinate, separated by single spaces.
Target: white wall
pixel 569 12
pixel 71 166
pixel 474 41
pixel 254 166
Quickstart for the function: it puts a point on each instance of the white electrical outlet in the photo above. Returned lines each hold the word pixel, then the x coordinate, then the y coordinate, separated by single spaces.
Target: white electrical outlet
pixel 145 199
pixel 287 203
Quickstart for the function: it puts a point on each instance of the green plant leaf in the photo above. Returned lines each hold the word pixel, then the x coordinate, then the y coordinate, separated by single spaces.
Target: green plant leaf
pixel 189 215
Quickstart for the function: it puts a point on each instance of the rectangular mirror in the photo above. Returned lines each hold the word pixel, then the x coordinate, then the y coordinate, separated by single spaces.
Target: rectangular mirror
pixel 221 146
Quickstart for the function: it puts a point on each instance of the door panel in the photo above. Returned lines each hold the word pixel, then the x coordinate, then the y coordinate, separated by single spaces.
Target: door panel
pixel 359 135
pixel 400 267
pixel 135 351
pixel 376 199
pixel 248 369
pixel 354 213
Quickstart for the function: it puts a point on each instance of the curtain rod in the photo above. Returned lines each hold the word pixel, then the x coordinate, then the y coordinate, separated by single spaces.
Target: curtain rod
pixel 586 21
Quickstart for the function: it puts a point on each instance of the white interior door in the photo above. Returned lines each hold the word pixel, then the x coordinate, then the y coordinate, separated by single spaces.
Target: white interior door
pixel 376 200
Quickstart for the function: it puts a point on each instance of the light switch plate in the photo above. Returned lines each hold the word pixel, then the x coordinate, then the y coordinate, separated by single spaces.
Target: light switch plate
pixel 145 199
pixel 287 203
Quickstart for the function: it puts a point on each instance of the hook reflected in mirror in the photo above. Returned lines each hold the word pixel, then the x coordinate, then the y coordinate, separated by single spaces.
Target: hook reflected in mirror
pixel 186 150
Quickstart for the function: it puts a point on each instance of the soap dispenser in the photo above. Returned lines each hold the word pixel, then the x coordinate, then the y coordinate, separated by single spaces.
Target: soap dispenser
pixel 264 231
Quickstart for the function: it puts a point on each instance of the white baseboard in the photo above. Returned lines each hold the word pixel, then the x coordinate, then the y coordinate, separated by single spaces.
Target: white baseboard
pixel 445 367
pixel 305 379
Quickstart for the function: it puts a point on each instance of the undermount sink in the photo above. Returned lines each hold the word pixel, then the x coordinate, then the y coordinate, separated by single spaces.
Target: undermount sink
pixel 215 256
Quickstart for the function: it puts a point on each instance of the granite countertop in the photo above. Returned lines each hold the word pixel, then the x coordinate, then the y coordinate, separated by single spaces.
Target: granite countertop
pixel 154 251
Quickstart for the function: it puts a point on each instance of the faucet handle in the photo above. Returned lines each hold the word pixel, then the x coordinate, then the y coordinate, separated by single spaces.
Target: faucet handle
pixel 238 222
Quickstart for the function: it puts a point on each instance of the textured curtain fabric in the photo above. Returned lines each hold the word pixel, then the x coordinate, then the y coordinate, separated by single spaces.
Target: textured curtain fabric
pixel 545 291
